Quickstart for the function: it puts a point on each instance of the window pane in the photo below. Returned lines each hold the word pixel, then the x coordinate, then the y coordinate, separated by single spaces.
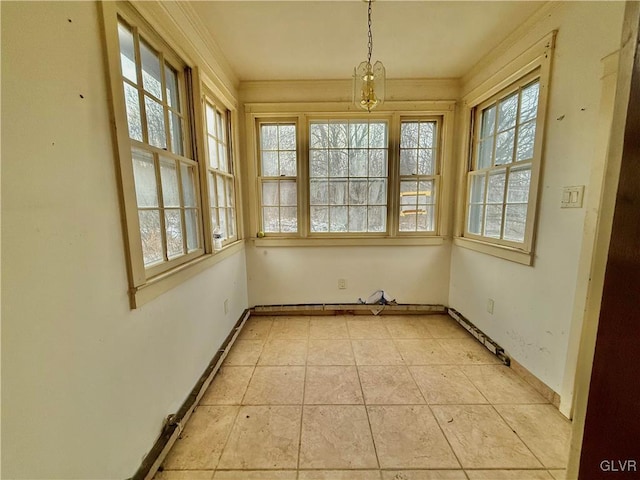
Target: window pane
pixel 155 123
pixel 477 188
pixel 169 177
pixel 287 137
pixel 151 236
pixel 269 137
pixel 426 192
pixel 288 163
pixel 191 216
pixel 337 135
pixel 211 119
pixel 504 147
pixel 188 186
pixel 318 163
pixel 357 219
pixel 171 78
pixel 319 135
pixel 338 163
pixel 377 219
pixel 127 53
pixel 319 192
pixel 408 221
pixel 409 135
pixel 338 219
pixel 319 219
pixel 212 151
pixel 425 162
pixel 426 135
pixel 515 222
pixel 270 195
pixel 519 181
pixel 232 222
pixel 222 218
pixel 488 122
pixel 289 219
pixel 134 120
pixel 269 164
pixel 151 76
pixel 175 130
pixel 144 175
pixel 426 220
pixel 475 219
pixel 408 162
pixel 358 192
pixel 529 102
pixel 526 138
pixel 493 221
pixel 230 192
pixel 378 163
pixel 408 196
pixel 358 163
pixel 377 192
pixel 220 187
pixel 221 127
pixel 338 192
pixel 495 193
pixel 271 219
pixel 485 153
pixel 378 135
pixel 223 160
pixel 507 110
pixel 288 194
pixel 358 135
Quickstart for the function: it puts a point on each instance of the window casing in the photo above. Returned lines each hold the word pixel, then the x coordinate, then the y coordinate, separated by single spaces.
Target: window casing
pixel 500 180
pixel 353 175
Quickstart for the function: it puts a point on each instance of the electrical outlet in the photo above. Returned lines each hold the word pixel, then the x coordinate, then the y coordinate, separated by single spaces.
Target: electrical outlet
pixel 490 306
pixel 226 306
pixel 342 283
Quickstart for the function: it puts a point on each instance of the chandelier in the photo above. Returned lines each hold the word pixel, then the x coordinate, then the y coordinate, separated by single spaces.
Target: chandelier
pixel 368 80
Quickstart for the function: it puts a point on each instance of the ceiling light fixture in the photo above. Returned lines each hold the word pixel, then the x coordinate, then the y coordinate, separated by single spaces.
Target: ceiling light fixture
pixel 368 80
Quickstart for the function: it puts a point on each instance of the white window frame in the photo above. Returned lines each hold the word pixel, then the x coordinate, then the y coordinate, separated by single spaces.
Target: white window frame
pixel 534 63
pixel 145 284
pixel 393 112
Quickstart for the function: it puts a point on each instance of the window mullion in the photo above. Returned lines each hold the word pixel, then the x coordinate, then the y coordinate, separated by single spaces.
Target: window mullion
pixel 393 176
pixel 161 207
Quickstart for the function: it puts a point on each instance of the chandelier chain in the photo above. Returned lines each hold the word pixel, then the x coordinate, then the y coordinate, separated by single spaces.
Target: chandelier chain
pixel 370 35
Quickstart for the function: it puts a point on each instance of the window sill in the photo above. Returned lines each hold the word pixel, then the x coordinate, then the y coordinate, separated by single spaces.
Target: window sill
pixel 347 242
pixel 164 282
pixel 500 251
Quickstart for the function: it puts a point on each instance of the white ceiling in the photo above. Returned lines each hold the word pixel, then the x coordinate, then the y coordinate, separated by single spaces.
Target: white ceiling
pixel 287 40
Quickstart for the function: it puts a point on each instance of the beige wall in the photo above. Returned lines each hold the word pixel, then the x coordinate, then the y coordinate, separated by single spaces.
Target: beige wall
pixel 86 382
pixel 534 305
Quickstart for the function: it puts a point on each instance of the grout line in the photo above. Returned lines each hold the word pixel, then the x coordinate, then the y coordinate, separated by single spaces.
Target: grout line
pixel 519 437
pixel 304 392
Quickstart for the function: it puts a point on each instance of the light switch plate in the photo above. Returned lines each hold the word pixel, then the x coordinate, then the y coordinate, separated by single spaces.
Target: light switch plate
pixel 572 197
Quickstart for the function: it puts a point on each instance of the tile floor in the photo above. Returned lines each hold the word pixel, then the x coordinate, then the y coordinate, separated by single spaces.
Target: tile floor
pixel 359 398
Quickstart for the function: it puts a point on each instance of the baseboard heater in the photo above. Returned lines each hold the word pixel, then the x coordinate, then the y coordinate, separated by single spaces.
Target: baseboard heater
pixel 174 423
pixel 479 335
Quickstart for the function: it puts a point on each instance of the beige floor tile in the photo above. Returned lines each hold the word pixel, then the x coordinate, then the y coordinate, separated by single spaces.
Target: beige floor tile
pixel 422 352
pixel 467 351
pixel 256 329
pixel 376 352
pixel 184 475
pixel 284 352
pixel 228 386
pixel 499 384
pixel 255 475
pixel 330 352
pixel 368 329
pixel 407 436
pixel 244 352
pixel 481 438
pixel 443 326
pixel 275 386
pixel 328 327
pixel 406 326
pixel 558 474
pixel 508 475
pixel 201 442
pixel 543 429
pixel 332 385
pixel 424 475
pixel 339 475
pixel 392 384
pixel 445 384
pixel 263 438
pixel 290 328
pixel 335 437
